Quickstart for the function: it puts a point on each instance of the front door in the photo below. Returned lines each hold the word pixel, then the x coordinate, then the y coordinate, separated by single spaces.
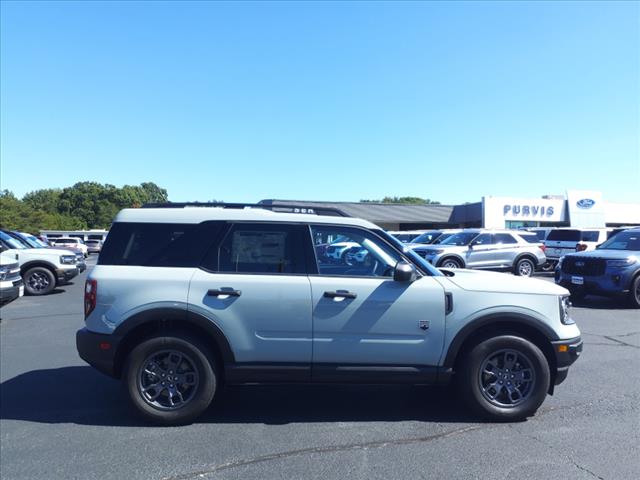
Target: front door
pixel 364 322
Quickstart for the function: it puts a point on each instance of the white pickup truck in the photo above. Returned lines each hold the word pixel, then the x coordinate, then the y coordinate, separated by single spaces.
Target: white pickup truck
pixel 42 269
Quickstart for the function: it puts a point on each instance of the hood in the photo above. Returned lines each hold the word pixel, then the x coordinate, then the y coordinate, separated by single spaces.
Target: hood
pixel 44 251
pixel 604 253
pixel 481 281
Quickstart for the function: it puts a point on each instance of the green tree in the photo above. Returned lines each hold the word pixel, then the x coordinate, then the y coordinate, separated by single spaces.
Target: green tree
pixel 405 200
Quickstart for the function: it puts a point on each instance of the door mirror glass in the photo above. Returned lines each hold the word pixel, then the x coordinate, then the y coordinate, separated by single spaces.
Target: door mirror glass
pixel 404 272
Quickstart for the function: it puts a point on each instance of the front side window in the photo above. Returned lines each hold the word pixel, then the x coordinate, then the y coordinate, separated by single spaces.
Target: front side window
pixel 460 239
pixel 262 248
pixel 348 251
pixel 483 239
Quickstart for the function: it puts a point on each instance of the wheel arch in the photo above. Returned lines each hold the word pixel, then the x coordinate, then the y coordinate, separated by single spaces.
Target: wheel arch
pixel 529 256
pixel 170 320
pixel 38 263
pixel 518 324
pixel 453 256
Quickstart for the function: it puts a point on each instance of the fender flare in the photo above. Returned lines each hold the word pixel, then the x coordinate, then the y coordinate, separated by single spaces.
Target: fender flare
pixel 166 317
pixel 494 319
pixel 536 263
pixel 38 263
pixel 463 264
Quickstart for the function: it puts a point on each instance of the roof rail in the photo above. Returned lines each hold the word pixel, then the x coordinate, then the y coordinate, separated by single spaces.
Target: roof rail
pixel 327 211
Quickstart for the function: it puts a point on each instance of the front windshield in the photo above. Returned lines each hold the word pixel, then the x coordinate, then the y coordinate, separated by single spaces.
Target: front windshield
pixel 623 241
pixel 413 256
pixel 460 239
pixel 29 241
pixel 36 241
pixel 12 242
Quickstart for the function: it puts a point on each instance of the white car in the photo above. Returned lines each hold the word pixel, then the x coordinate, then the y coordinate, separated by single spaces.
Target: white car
pixel 337 251
pixel 42 269
pixel 562 241
pixel 71 242
pixel 11 285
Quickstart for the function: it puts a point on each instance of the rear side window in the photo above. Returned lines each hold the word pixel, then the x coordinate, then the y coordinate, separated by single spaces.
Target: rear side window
pixel 564 235
pixel 504 238
pixel 530 237
pixel 260 248
pixel 590 236
pixel 159 244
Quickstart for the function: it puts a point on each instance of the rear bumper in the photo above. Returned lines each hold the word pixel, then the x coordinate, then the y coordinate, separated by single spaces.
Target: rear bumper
pixel 98 350
pixel 566 353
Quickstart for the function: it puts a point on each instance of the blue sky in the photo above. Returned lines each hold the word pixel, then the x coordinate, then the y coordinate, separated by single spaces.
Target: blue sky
pixel 323 101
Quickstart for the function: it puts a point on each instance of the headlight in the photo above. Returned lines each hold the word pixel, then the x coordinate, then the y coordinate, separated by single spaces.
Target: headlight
pixel 4 271
pixel 68 259
pixel 622 262
pixel 565 305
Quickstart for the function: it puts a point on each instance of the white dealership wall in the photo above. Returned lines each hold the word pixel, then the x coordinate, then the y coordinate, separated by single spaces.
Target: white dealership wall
pixel 578 208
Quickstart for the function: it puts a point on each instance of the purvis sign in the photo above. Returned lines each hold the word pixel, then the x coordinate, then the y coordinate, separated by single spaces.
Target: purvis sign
pixel 536 211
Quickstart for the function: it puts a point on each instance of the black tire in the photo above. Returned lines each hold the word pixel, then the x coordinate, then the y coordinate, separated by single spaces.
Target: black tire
pixel 634 293
pixel 195 354
pixel 532 391
pixel 39 281
pixel 577 293
pixel 450 263
pixel 525 267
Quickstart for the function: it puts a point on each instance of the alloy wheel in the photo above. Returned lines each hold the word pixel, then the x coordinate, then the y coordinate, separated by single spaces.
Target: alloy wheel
pixel 506 378
pixel 168 380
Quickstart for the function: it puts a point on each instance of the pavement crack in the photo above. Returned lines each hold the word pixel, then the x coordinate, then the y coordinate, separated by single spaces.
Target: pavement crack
pixel 620 341
pixel 328 449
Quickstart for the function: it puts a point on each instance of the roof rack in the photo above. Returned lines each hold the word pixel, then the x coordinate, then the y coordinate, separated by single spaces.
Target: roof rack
pixel 327 211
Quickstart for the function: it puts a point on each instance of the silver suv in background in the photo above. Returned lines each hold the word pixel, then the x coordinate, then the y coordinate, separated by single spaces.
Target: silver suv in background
pixel 486 249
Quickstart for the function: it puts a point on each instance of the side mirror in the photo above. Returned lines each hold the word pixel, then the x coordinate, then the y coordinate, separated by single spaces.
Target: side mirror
pixel 404 272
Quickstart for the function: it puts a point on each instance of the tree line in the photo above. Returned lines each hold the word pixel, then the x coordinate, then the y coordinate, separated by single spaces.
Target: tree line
pixel 82 206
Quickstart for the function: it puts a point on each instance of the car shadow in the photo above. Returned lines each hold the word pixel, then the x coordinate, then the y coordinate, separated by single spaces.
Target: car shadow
pixel 604 303
pixel 83 396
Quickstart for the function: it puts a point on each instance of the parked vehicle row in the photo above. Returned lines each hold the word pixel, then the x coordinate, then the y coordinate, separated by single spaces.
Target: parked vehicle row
pixel 41 267
pixel 507 250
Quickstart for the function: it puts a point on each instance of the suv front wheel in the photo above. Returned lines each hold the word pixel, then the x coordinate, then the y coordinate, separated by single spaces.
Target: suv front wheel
pixel 171 380
pixel 504 378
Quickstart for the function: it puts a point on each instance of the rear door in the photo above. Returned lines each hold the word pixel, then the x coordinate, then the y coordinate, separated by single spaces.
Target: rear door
pixel 365 324
pixel 506 249
pixel 253 285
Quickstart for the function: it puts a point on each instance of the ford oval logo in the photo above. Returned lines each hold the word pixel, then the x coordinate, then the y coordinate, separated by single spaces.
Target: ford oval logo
pixel 585 203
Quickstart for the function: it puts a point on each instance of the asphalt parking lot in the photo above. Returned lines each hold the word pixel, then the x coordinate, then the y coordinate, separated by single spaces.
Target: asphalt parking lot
pixel 62 419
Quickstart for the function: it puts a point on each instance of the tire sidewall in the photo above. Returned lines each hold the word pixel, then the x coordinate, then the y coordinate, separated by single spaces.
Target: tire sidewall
pixel 635 301
pixel 208 379
pixel 52 281
pixel 470 371
pixel 452 260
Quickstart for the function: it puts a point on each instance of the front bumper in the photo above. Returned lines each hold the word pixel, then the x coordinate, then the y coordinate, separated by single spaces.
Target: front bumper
pixel 98 350
pixel 566 353
pixel 611 283
pixel 66 274
pixel 9 294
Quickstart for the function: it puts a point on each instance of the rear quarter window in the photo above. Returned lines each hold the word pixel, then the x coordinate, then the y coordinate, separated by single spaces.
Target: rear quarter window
pixel 590 236
pixel 159 245
pixel 530 237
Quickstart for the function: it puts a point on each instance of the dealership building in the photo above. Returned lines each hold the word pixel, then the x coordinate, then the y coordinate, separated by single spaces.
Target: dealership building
pixel 576 208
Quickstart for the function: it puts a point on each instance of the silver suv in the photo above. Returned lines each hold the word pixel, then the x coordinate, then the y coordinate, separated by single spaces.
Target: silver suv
pixel 184 300
pixel 486 249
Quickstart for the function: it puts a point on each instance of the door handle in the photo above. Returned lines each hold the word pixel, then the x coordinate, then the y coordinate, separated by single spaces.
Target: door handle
pixel 229 292
pixel 340 294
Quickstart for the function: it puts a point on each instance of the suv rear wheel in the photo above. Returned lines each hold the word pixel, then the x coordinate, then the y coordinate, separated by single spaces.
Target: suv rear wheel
pixel 504 378
pixel 171 380
pixel 525 267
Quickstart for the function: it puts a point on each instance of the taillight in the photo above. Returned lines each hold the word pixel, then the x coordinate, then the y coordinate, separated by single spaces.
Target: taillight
pixel 90 294
pixel 580 247
pixel 543 248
